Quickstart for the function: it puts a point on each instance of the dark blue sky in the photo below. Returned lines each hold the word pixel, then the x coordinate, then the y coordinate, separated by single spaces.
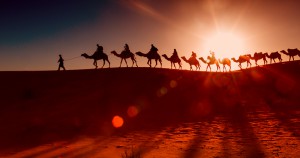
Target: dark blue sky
pixel 22 21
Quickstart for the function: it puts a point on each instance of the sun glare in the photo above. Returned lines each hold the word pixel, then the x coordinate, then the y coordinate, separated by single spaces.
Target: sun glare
pixel 225 45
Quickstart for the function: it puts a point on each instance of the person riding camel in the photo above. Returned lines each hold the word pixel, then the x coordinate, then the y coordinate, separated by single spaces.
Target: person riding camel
pixel 153 50
pixel 175 54
pixel 126 49
pixel 194 55
pixel 98 51
pixel 212 55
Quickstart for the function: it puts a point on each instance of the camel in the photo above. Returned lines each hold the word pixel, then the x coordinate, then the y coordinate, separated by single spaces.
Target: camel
pixel 242 59
pixel 173 59
pixel 124 55
pixel 99 56
pixel 192 61
pixel 211 62
pixel 291 53
pixel 258 56
pixel 225 62
pixel 151 55
pixel 273 56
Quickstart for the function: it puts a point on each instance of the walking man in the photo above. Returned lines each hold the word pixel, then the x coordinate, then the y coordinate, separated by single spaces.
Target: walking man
pixel 61 63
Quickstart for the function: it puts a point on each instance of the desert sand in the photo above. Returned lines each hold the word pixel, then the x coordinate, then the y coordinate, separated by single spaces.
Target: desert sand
pixel 166 113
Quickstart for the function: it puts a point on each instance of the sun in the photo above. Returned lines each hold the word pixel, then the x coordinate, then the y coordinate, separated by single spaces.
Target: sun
pixel 225 45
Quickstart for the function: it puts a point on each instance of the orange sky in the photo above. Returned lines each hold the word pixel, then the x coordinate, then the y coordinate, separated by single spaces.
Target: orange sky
pixel 264 26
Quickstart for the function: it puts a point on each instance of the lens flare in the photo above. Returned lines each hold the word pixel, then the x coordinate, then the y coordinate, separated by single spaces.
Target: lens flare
pixel 132 111
pixel 173 84
pixel 162 91
pixel 117 121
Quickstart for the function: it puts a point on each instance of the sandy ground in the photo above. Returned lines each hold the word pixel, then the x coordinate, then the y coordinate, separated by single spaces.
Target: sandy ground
pixel 253 113
pixel 264 134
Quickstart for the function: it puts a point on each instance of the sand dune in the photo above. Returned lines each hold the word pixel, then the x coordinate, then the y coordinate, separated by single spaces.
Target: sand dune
pixel 166 113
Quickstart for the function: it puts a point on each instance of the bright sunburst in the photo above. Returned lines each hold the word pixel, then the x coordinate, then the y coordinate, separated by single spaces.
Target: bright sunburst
pixel 225 45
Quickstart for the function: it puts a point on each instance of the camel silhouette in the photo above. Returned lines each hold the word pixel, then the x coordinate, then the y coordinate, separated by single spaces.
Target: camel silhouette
pixel 151 55
pixel 192 61
pixel 273 56
pixel 291 53
pixel 210 62
pixel 258 56
pixel 173 59
pixel 96 57
pixel 242 59
pixel 224 62
pixel 124 55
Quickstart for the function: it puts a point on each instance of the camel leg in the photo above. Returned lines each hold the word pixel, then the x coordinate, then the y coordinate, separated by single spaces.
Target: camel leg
pixel 155 63
pixel 108 63
pixel 95 64
pixel 132 59
pixel 103 63
pixel 126 62
pixel 136 63
pixel 121 62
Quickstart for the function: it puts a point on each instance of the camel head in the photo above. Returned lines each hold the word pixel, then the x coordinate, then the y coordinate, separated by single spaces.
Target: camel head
pixel 113 52
pixel 283 51
pixel 85 55
pixel 233 59
pixel 183 58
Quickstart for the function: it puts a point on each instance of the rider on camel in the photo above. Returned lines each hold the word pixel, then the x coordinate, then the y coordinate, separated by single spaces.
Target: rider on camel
pixel 212 55
pixel 153 50
pixel 175 54
pixel 194 55
pixel 98 51
pixel 126 49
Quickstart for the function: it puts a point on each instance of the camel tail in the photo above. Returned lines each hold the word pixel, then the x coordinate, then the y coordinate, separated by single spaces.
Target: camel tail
pixel 141 54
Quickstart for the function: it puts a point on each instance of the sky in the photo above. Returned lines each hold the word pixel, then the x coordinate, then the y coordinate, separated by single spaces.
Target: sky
pixel 34 33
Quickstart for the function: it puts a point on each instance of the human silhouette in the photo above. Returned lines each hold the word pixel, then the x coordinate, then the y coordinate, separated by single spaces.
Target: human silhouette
pixel 175 54
pixel 194 55
pixel 126 48
pixel 61 63
pixel 153 48
pixel 98 51
pixel 212 55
